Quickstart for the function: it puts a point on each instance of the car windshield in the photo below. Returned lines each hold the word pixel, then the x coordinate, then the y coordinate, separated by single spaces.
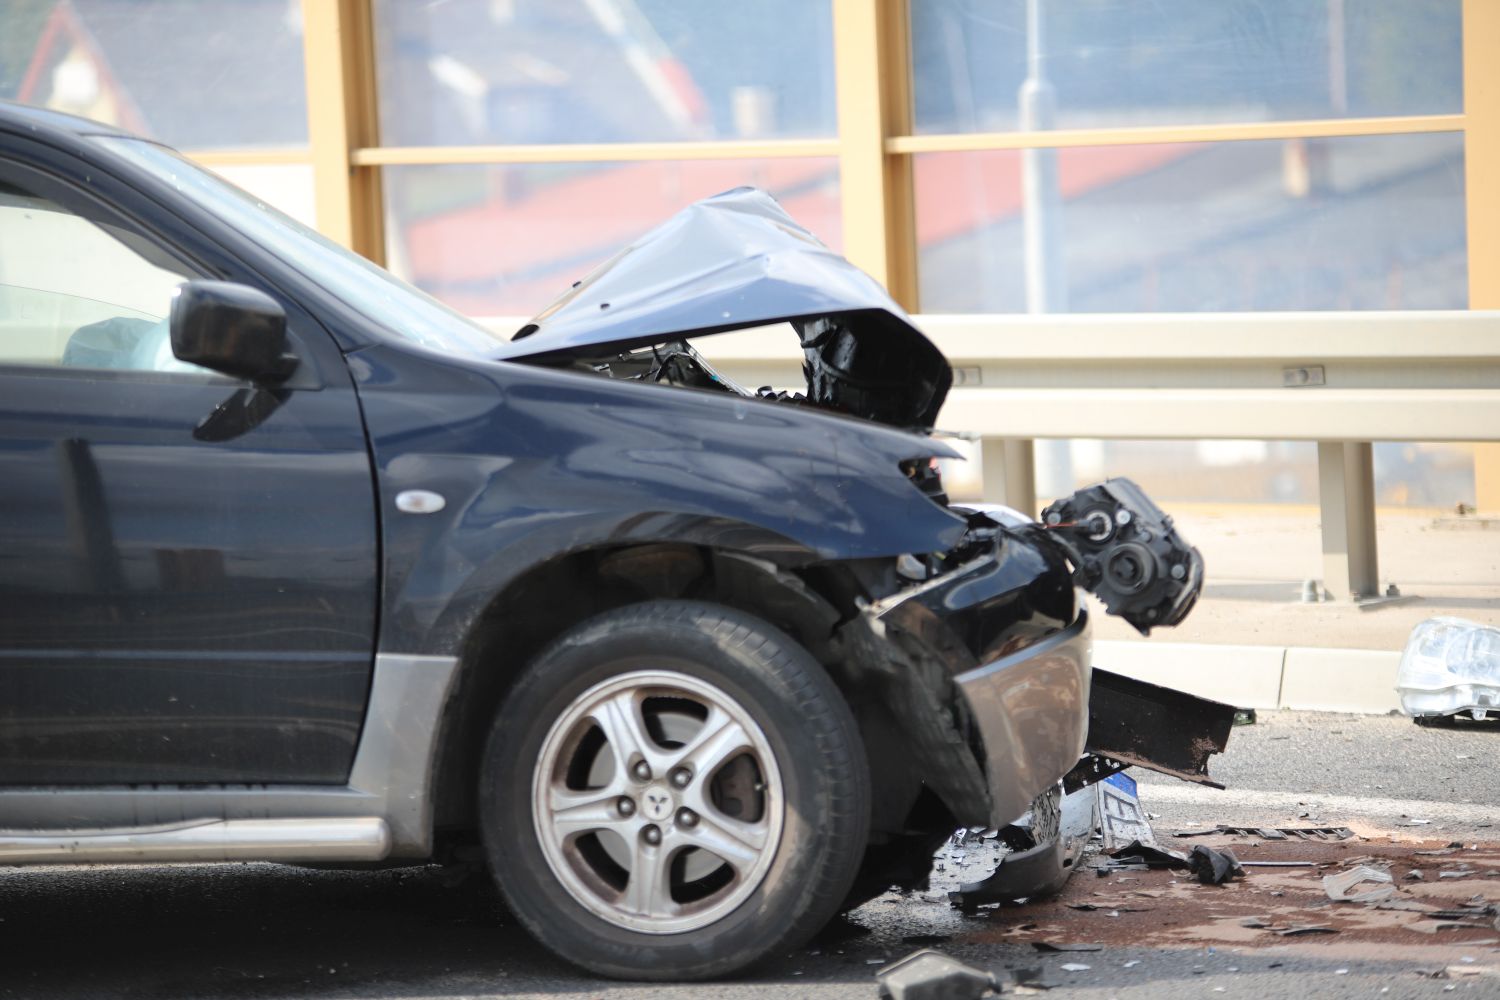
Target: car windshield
pixel 370 290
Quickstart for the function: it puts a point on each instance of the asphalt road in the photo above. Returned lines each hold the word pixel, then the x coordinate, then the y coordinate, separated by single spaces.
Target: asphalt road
pixel 232 931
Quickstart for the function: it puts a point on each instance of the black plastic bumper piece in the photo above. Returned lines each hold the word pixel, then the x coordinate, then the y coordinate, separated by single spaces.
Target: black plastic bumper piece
pixel 1133 722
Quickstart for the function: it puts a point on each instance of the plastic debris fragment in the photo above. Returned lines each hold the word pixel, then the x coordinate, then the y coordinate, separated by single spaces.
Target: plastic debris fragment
pixel 1215 867
pixel 1341 888
pixel 931 975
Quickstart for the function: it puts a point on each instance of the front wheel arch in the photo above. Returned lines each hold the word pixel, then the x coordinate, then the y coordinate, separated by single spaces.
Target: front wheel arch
pixel 552 597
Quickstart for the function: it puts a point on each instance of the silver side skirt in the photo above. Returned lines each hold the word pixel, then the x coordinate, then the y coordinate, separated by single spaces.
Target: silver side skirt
pixel 302 840
pixel 390 784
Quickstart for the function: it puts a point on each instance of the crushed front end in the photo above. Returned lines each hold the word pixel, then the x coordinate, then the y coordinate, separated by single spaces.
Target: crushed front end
pixel 986 649
pixel 968 667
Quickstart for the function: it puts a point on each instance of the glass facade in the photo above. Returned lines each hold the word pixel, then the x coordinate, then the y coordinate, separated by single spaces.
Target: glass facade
pixel 162 68
pixel 1149 62
pixel 567 71
pixel 506 240
pixel 1365 222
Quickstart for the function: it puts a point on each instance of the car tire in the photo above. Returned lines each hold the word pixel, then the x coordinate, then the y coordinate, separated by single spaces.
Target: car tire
pixel 740 793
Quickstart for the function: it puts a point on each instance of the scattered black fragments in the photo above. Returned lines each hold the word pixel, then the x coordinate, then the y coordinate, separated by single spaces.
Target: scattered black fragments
pixel 931 975
pixel 1151 856
pixel 1293 930
pixel 1212 867
pixel 924 940
pixel 1215 867
pixel 1462 914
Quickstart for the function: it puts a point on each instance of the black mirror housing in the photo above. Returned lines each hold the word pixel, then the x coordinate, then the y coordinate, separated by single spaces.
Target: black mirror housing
pixel 231 328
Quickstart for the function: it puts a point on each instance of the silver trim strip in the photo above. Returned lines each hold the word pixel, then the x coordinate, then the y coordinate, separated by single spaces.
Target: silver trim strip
pixel 358 839
pixel 391 780
pixel 1032 710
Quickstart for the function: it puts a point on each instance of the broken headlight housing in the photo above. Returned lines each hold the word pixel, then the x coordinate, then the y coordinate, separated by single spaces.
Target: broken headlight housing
pixel 1126 550
pixel 1450 665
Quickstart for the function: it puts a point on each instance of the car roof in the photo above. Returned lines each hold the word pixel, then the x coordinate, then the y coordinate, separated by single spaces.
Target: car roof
pixel 25 117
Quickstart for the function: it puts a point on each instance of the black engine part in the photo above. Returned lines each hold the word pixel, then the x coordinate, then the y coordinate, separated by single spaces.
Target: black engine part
pixel 1126 551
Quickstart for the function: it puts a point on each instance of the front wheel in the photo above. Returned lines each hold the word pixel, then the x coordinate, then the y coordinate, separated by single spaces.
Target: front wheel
pixel 674 790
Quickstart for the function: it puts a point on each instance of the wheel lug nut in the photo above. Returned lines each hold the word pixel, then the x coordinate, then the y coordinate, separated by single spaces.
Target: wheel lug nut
pixel 681 777
pixel 686 817
pixel 651 835
pixel 626 806
pixel 641 770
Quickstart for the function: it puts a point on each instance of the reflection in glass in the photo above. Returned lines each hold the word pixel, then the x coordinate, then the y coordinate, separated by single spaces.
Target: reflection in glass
pixel 506 240
pixel 195 75
pixel 1143 62
pixel 558 71
pixel 287 187
pixel 1346 223
pixel 1432 476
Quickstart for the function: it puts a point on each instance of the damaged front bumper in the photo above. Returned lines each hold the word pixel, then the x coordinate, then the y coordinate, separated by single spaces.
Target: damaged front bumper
pixel 989 668
pixel 1031 712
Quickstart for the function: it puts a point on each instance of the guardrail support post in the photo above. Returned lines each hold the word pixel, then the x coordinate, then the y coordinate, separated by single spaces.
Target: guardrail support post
pixel 1346 495
pixel 1008 466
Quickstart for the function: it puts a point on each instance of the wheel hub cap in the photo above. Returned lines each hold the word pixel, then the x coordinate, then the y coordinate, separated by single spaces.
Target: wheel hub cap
pixel 658 803
pixel 691 850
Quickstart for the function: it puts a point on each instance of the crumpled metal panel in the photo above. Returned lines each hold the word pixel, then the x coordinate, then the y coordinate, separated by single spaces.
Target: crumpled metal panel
pixel 732 261
pixel 1030 711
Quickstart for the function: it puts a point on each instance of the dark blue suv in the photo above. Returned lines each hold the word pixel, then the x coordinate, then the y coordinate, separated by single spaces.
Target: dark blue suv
pixel 298 565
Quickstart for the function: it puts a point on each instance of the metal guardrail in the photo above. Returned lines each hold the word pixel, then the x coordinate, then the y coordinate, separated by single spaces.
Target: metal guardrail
pixel 1340 379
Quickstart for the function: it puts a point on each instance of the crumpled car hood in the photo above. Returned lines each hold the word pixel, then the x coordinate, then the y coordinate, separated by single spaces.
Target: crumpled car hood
pixel 738 260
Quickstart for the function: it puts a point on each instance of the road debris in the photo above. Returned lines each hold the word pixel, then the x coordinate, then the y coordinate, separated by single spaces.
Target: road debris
pixel 1151 856
pixel 1121 818
pixel 1075 967
pixel 1450 666
pixel 1215 867
pixel 1341 888
pixel 1056 946
pixel 1029 981
pixel 1274 832
pixel 1433 926
pixel 932 975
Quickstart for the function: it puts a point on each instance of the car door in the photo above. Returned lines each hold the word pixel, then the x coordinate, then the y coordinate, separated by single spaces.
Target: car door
pixel 187 562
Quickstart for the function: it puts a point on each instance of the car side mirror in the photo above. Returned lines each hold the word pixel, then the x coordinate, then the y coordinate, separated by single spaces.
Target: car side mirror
pixel 231 328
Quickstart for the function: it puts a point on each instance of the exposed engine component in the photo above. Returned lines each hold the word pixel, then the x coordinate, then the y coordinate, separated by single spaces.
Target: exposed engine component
pixel 1126 551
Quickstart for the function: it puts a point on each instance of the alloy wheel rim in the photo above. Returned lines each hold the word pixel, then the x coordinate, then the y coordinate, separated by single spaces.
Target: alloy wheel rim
pixel 657 802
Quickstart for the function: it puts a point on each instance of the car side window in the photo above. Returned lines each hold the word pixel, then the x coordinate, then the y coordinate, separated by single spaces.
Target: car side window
pixel 78 292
